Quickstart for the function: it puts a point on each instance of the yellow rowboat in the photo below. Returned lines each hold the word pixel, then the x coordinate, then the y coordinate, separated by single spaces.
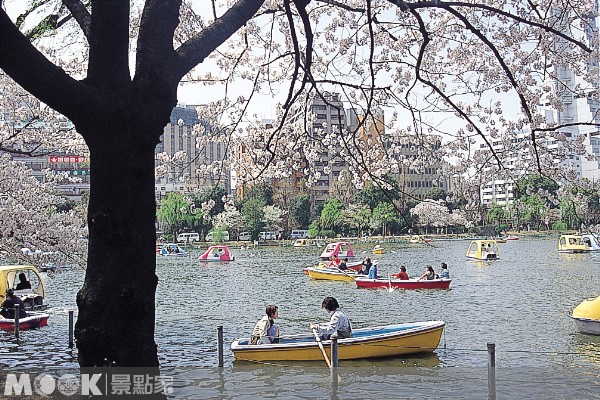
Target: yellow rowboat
pixel 374 342
pixel 331 274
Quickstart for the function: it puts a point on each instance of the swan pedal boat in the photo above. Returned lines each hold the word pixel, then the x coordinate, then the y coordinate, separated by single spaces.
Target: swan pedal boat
pixel 587 316
pixel 373 342
pixel 32 321
pixel 364 282
pixel 332 274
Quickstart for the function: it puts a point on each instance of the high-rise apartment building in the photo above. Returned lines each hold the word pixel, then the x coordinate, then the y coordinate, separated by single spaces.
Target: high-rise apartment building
pixel 189 174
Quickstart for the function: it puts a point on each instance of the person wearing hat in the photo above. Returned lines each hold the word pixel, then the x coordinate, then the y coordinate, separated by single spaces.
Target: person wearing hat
pixel 373 271
pixel 8 305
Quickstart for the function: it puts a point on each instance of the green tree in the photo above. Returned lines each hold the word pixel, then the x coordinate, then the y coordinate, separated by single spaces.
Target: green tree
pixel 253 215
pixel 301 211
pixel 313 229
pixel 383 214
pixel 263 192
pixel 332 215
pixel 496 214
pixel 372 194
pixel 176 212
pixel 436 193
pixel 532 184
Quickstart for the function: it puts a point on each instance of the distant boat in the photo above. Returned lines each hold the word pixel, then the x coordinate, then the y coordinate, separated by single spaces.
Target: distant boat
pixel 484 250
pixel 572 244
pixel 511 237
pixel 172 250
pixel 340 249
pixel 378 249
pixel 374 342
pixel 217 253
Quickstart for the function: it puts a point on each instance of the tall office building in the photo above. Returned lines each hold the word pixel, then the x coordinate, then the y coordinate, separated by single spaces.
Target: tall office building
pixel 203 165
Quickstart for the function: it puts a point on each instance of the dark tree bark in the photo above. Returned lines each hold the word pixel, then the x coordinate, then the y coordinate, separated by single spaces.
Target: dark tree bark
pixel 121 120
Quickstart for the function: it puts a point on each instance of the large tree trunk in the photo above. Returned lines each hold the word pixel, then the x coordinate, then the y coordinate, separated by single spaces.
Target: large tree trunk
pixel 115 326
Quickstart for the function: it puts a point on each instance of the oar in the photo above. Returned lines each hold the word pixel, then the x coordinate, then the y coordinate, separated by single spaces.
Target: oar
pixel 345 273
pixel 318 339
pixel 390 289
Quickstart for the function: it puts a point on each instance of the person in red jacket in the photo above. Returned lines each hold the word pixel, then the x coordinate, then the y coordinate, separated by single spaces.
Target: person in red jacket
pixel 401 274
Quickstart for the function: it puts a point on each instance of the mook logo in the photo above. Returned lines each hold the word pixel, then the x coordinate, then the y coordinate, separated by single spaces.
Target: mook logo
pixel 46 384
pixel 94 384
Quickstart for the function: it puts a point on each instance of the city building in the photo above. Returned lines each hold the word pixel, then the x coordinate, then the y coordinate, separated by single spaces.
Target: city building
pixel 188 175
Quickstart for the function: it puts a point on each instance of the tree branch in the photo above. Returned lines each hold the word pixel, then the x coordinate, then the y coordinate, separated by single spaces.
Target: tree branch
pixel 157 26
pixel 35 73
pixel 109 44
pixel 196 49
pixel 80 13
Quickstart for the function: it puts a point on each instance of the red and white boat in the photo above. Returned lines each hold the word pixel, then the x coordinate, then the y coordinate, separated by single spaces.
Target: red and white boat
pixel 217 253
pixel 402 284
pixel 32 321
pixel 511 237
pixel 340 249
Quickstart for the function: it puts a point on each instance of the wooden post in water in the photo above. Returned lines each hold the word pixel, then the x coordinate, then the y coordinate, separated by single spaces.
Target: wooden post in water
pixel 334 359
pixel 220 344
pixel 491 352
pixel 17 316
pixel 71 329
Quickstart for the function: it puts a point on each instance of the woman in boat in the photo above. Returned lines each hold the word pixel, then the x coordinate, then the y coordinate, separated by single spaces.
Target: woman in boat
pixel 344 264
pixel 367 264
pixel 266 327
pixel 7 308
pixel 429 274
pixel 444 274
pixel 339 322
pixel 402 275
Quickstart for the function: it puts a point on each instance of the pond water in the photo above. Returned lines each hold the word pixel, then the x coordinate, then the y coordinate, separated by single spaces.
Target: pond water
pixel 521 302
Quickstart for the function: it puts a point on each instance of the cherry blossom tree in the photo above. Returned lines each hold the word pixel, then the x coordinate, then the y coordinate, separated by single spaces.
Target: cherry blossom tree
pixel 30 218
pixel 472 60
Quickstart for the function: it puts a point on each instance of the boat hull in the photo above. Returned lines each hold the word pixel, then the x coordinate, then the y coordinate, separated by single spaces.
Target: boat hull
pixel 402 284
pixel 32 321
pixel 330 274
pixel 379 251
pixel 378 342
pixel 586 325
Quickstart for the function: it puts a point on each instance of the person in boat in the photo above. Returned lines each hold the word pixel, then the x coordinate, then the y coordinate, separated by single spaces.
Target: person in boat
pixel 377 247
pixel 444 273
pixel 402 275
pixel 7 308
pixel 335 261
pixel 344 264
pixel 339 322
pixel 265 329
pixel 429 274
pixel 367 264
pixel 23 282
pixel 373 271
